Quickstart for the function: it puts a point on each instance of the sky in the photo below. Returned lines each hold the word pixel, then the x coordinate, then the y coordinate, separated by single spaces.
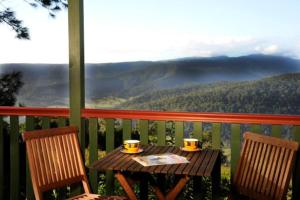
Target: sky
pixel 132 30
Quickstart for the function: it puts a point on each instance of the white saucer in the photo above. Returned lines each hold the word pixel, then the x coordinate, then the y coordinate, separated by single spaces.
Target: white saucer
pixel 189 150
pixel 130 152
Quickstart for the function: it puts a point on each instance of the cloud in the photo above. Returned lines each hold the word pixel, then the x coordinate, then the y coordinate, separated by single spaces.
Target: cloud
pixel 270 49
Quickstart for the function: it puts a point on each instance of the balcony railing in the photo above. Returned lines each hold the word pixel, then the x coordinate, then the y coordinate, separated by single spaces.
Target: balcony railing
pixel 140 124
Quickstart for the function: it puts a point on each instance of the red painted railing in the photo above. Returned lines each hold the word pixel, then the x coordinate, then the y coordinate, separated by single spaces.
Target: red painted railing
pixel 157 115
pixel 193 116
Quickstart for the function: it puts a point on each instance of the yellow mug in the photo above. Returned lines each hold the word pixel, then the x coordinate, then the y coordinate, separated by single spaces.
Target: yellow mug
pixel 131 146
pixel 190 143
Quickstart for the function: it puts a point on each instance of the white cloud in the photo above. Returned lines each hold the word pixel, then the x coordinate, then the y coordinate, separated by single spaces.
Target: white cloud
pixel 270 49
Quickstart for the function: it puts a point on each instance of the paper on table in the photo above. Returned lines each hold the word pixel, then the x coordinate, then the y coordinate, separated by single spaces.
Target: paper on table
pixel 160 159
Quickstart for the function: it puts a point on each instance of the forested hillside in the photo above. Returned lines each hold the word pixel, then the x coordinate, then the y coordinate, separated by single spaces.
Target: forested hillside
pixel 278 94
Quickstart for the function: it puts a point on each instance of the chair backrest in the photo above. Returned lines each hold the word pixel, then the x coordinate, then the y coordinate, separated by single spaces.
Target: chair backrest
pixel 265 166
pixel 54 159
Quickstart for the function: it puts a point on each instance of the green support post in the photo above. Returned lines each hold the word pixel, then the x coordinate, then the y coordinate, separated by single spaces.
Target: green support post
pixel 144 137
pixel 179 129
pixel 296 173
pixel 235 147
pixel 276 131
pixel 216 135
pixel 110 142
pixel 127 128
pixel 45 122
pixel 76 66
pixel 197 181
pixel 29 190
pixel 256 128
pixel 14 158
pixel 144 131
pixel 76 71
pixel 197 131
pixel 93 138
pixel 61 122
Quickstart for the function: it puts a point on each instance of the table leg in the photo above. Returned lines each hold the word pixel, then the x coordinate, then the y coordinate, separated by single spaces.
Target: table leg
pixel 216 178
pixel 160 195
pixel 126 186
pixel 197 187
pixel 144 188
pixel 173 193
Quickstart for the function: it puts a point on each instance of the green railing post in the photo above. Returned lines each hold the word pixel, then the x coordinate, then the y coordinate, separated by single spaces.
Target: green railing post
pixel 61 122
pixel 144 131
pixel 110 145
pixel 127 128
pixel 144 137
pixel 276 131
pixel 29 190
pixel 93 138
pixel 197 130
pixel 45 122
pixel 235 147
pixel 2 159
pixel 14 158
pixel 296 173
pixel 256 128
pixel 179 130
pixel 161 133
pixel 76 66
pixel 216 135
pixel 197 181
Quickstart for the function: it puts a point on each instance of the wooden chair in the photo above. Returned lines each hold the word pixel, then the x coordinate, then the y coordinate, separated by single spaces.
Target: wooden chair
pixel 265 167
pixel 55 161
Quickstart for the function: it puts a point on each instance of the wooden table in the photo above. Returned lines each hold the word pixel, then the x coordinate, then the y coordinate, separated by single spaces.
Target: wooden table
pixel 202 163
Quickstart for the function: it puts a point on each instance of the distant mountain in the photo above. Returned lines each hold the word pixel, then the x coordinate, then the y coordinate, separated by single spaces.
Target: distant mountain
pixel 48 84
pixel 274 95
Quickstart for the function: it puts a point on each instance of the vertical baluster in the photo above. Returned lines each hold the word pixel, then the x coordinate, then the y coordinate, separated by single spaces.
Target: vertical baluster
pixel 14 158
pixel 197 130
pixel 62 122
pixel 110 136
pixel 179 129
pixel 127 128
pixel 276 131
pixel 197 181
pixel 45 122
pixel 161 133
pixel 296 173
pixel 216 135
pixel 93 138
pixel 2 159
pixel 29 190
pixel 256 128
pixel 144 131
pixel 235 147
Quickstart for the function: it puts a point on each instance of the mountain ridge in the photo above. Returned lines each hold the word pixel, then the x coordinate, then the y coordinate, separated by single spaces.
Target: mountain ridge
pixel 49 82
